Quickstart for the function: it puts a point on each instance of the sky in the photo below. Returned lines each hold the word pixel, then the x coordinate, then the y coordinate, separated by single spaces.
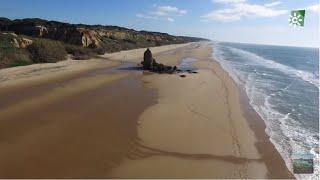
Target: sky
pixel 246 21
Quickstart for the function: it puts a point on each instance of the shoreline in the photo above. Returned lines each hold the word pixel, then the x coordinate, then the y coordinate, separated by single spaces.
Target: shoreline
pixel 265 146
pixel 258 126
pixel 280 96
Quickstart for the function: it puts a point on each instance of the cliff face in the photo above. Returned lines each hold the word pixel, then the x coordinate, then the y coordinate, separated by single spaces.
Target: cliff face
pixel 16 41
pixel 93 36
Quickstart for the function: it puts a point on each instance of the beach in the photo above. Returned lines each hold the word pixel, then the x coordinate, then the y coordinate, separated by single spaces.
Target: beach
pixel 102 119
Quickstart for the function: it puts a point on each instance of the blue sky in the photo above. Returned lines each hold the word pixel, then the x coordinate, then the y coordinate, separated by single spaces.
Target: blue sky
pixel 251 21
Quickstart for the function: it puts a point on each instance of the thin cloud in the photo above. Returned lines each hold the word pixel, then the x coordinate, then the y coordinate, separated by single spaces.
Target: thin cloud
pixel 237 11
pixel 145 16
pixel 314 8
pixel 163 12
pixel 169 10
pixel 170 19
pixel 275 3
pixel 228 1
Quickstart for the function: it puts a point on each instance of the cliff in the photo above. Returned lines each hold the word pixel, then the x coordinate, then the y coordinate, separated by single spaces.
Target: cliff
pixel 111 38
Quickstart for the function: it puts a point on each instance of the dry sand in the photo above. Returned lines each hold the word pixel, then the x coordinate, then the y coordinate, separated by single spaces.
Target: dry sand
pixel 37 73
pixel 136 55
pixel 92 122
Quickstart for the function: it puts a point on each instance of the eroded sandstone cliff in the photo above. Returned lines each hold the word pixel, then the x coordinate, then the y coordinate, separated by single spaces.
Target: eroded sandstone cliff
pixel 112 38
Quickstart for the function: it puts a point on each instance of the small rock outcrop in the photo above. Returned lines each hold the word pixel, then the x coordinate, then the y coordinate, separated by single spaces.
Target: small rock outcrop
pixel 147 60
pixel 149 63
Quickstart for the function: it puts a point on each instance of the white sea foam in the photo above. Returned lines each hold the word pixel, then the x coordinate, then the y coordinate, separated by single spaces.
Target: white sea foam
pixel 306 76
pixel 284 132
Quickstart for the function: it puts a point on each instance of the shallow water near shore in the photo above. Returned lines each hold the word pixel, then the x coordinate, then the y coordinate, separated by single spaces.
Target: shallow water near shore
pixel 186 64
pixel 282 86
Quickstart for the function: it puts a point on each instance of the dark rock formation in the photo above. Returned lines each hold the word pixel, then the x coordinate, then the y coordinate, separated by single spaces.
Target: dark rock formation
pixel 149 63
pixel 174 68
pixel 147 60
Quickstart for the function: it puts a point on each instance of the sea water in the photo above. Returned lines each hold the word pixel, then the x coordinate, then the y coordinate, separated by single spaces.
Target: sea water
pixel 282 84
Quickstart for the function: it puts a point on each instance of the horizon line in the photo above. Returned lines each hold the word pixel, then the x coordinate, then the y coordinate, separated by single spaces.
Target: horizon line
pixel 268 44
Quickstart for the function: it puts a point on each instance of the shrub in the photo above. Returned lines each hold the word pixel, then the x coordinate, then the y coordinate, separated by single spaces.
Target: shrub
pixel 101 51
pixel 20 61
pixel 81 53
pixel 47 51
pixel 11 56
pixel 111 45
pixel 78 51
pixel 81 57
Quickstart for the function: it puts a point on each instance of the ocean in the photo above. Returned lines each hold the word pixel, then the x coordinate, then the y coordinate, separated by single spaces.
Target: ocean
pixel 282 84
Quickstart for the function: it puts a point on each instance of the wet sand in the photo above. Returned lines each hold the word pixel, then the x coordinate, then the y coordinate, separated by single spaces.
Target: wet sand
pixel 77 136
pixel 104 123
pixel 198 130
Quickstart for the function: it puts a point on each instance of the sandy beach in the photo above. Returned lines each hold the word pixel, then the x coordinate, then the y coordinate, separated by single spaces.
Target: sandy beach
pixel 101 119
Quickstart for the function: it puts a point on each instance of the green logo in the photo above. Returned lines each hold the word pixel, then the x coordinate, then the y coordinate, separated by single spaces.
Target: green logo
pixel 297 18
